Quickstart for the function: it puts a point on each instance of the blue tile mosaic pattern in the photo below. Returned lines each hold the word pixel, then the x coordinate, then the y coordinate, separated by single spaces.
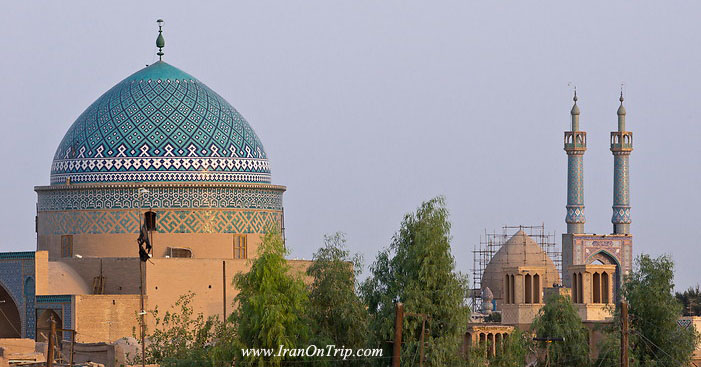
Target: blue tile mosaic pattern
pixel 160 124
pixel 621 193
pixel 169 221
pixel 26 255
pixel 29 310
pixel 160 197
pixel 17 277
pixel 575 189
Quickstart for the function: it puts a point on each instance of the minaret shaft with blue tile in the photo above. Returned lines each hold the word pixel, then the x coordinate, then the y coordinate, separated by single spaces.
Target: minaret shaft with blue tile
pixel 575 146
pixel 621 146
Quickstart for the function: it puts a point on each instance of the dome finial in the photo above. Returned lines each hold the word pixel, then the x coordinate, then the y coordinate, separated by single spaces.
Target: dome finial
pixel 621 99
pixel 575 109
pixel 621 110
pixel 160 41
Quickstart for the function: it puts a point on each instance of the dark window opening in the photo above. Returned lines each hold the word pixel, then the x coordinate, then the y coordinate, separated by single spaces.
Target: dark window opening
pixel 179 252
pixel 67 245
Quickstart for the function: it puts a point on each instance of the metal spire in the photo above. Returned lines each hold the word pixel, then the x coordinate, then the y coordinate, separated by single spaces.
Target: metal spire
pixel 160 41
pixel 575 108
pixel 621 113
pixel 621 109
pixel 575 112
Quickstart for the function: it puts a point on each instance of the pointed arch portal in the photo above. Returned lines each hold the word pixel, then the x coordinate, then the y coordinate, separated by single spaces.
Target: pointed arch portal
pixel 10 321
pixel 44 324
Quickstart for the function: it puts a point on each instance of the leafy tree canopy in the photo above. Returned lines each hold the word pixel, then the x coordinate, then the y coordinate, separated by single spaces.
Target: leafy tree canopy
pixel 271 305
pixel 691 301
pixel 514 350
pixel 418 270
pixel 338 315
pixel 558 318
pixel 655 338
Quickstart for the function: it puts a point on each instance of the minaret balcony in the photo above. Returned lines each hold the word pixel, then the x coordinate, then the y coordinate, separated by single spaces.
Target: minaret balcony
pixel 575 141
pixel 621 141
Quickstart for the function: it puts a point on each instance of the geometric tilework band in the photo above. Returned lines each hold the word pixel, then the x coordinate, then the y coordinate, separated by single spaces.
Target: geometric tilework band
pixel 621 215
pixel 160 197
pixel 575 214
pixel 169 221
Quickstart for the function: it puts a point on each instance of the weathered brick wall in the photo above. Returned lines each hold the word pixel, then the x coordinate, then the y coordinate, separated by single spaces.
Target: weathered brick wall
pixel 106 318
pixel 168 279
pixel 121 274
pixel 113 315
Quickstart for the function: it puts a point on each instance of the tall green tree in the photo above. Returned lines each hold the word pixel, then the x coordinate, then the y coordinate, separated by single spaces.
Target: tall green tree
pixel 418 270
pixel 558 318
pixel 271 306
pixel 691 301
pixel 655 338
pixel 338 315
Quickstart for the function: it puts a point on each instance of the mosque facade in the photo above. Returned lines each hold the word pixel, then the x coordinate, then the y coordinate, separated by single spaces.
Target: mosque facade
pixel 161 144
pixel 521 275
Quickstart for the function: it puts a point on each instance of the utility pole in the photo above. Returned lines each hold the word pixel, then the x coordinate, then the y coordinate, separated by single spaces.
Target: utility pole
pixel 50 351
pixel 143 327
pixel 148 227
pixel 421 340
pixel 624 334
pixel 223 285
pixel 423 317
pixel 398 320
pixel 72 348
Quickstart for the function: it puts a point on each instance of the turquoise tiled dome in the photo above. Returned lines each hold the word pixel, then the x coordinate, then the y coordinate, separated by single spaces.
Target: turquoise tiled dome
pixel 160 124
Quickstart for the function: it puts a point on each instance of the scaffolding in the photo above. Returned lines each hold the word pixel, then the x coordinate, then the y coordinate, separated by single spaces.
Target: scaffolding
pixel 491 242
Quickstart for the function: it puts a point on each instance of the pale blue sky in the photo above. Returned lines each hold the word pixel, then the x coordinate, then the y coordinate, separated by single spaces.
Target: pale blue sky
pixel 366 108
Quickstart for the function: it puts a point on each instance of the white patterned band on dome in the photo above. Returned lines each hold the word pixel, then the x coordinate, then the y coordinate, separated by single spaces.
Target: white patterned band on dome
pixel 120 169
pixel 187 163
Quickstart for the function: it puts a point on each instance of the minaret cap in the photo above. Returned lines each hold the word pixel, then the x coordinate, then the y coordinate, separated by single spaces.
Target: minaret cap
pixel 575 108
pixel 160 41
pixel 621 109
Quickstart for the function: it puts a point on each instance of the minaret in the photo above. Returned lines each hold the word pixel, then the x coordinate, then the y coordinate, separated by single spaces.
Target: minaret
pixel 575 146
pixel 621 146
